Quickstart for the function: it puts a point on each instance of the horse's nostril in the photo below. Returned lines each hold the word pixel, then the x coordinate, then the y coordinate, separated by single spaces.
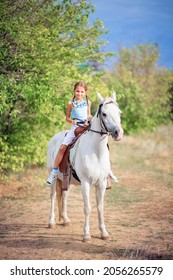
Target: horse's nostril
pixel 116 133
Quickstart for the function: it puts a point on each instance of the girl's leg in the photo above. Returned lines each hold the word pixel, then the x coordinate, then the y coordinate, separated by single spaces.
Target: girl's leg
pixel 58 159
pixel 109 185
pixel 59 155
pixel 67 140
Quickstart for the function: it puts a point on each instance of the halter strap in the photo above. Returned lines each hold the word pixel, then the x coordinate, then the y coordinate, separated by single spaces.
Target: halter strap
pixel 101 122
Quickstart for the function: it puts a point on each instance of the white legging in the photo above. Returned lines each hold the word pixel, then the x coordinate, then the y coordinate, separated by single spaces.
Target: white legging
pixel 69 136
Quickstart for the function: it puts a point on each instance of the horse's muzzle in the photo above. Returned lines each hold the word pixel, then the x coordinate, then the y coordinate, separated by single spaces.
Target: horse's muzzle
pixel 118 134
pixel 115 134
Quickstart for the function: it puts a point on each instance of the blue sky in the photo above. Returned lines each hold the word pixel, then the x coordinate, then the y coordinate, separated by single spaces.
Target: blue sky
pixel 132 22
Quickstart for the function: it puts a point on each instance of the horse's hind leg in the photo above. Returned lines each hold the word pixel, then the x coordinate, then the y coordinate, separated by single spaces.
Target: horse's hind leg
pixel 52 208
pixel 62 202
pixel 66 220
pixel 100 191
pixel 56 192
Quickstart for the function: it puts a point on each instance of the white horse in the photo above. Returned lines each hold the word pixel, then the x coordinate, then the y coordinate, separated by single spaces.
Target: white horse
pixel 90 160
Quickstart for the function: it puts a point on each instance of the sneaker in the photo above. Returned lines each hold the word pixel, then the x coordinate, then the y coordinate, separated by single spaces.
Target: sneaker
pixel 52 177
pixel 113 177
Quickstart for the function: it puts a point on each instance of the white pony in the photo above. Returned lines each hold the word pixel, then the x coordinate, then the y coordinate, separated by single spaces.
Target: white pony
pixel 90 160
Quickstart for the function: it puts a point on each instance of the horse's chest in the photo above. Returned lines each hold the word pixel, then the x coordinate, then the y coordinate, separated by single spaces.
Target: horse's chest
pixel 93 167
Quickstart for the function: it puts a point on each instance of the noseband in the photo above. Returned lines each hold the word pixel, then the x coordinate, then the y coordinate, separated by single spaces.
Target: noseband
pixel 102 123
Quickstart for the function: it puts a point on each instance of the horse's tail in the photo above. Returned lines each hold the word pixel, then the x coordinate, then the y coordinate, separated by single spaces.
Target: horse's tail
pixel 59 197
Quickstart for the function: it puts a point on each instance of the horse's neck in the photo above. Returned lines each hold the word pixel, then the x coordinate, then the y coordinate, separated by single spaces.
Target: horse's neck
pixel 95 125
pixel 92 146
pixel 96 136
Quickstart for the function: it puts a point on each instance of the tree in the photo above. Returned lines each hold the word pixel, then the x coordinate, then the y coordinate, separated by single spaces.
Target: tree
pixel 43 45
pixel 142 86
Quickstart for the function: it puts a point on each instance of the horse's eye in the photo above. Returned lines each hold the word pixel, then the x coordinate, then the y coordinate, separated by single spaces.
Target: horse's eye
pixel 104 115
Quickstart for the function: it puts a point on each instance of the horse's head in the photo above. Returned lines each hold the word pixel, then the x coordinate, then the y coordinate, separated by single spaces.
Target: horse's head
pixel 110 116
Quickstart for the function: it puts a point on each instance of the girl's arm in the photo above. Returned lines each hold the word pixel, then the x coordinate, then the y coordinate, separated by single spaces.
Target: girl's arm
pixel 68 113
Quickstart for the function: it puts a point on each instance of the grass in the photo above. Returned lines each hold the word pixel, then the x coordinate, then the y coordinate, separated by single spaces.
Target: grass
pixel 120 195
pixel 144 166
pixel 148 154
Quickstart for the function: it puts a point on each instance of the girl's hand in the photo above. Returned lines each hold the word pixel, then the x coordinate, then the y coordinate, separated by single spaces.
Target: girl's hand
pixel 74 122
pixel 85 123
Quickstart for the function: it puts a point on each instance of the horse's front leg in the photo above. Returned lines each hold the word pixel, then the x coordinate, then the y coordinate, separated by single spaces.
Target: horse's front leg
pixel 87 209
pixel 100 192
pixel 52 208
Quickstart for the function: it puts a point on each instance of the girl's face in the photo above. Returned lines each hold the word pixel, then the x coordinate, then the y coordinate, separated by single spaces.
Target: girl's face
pixel 79 93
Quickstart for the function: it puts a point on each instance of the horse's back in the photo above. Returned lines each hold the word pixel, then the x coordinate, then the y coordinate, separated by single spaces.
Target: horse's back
pixel 53 147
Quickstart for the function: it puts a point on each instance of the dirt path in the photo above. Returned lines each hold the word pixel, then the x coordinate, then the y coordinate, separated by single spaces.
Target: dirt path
pixel 138 214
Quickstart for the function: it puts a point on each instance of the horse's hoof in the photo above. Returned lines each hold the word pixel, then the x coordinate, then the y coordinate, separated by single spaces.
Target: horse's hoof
pixel 86 239
pixel 105 237
pixel 51 226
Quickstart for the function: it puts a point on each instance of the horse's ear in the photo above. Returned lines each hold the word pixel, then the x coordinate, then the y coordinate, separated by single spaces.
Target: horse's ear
pixel 114 96
pixel 100 98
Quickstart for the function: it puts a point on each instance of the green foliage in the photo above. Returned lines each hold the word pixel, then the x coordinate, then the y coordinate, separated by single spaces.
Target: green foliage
pixel 143 88
pixel 43 45
pixel 47 46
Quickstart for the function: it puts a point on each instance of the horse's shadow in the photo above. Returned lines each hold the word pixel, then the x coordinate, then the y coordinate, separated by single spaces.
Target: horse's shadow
pixel 39 236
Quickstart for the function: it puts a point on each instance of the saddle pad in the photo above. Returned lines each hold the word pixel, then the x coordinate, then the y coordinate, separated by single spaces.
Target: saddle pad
pixel 72 155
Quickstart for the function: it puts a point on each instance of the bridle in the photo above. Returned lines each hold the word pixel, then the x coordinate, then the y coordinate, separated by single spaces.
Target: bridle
pixel 104 130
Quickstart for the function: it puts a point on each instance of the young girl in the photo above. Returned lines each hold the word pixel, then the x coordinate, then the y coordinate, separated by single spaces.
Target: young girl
pixel 79 109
